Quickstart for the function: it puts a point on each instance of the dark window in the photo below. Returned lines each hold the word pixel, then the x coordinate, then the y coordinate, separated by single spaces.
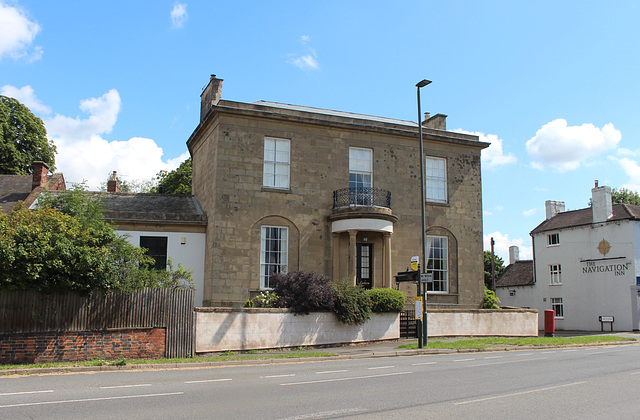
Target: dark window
pixel 156 248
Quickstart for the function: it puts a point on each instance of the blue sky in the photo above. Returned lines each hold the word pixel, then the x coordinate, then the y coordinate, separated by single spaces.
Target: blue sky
pixel 554 86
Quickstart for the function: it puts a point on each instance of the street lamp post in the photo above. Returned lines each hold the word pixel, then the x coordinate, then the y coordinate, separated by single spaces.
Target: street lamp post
pixel 422 285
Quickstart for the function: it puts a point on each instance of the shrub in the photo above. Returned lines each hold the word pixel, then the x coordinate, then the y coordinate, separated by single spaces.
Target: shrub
pixel 386 300
pixel 265 299
pixel 352 304
pixel 303 292
pixel 490 299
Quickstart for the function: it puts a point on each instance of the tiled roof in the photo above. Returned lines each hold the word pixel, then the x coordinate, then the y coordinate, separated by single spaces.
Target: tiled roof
pixel 584 217
pixel 520 273
pixel 13 189
pixel 151 207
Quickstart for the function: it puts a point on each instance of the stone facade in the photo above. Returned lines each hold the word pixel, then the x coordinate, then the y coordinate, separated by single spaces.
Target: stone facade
pixel 227 149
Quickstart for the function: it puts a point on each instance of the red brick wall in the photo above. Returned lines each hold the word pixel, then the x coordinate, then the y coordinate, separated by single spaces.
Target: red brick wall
pixel 82 345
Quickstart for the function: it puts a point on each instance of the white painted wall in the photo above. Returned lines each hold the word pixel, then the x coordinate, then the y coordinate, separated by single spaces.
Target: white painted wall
pixel 586 295
pixel 190 254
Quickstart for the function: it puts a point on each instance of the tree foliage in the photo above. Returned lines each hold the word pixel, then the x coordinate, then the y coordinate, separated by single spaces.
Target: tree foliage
pixel 353 304
pixel 23 139
pixel 625 196
pixel 66 246
pixel 303 292
pixel 177 181
pixel 498 266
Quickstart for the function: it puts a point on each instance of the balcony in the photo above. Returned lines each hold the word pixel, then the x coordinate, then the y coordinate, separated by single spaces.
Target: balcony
pixel 348 198
pixel 362 209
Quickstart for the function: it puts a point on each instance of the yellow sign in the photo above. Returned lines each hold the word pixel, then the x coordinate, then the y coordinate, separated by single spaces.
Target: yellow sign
pixel 414 266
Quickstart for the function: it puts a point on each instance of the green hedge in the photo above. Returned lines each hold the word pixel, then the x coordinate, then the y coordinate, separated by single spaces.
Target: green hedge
pixel 386 300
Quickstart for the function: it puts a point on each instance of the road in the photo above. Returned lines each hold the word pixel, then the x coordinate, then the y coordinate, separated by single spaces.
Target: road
pixel 575 383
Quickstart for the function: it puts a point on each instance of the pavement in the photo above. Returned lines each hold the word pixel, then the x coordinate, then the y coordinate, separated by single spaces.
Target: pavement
pixel 346 351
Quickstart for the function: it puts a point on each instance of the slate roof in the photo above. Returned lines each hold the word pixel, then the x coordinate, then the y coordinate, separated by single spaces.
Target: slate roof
pixel 520 273
pixel 151 207
pixel 13 189
pixel 583 217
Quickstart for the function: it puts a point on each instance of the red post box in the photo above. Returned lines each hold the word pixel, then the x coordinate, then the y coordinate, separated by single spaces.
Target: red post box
pixel 549 322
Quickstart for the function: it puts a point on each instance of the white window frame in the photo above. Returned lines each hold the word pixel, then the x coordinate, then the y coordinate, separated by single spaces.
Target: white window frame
pixel 557 305
pixel 555 274
pixel 274 253
pixel 435 176
pixel 277 163
pixel 360 176
pixel 438 263
pixel 553 239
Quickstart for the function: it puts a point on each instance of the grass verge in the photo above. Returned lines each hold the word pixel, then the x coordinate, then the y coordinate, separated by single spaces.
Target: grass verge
pixel 501 342
pixel 223 357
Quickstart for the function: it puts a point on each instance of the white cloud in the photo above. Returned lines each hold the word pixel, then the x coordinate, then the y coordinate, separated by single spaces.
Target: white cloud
pixel 502 244
pixel 493 156
pixel 179 15
pixel 530 212
pixel 27 97
pixel 84 155
pixel 305 62
pixel 17 33
pixel 564 148
pixel 305 38
pixel 632 169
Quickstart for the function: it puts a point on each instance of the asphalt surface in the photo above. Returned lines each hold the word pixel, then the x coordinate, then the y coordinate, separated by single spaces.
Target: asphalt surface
pixel 347 351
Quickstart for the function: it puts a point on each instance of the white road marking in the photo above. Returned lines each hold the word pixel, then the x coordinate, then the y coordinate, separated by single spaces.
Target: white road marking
pixel 25 392
pixel 278 376
pixel 464 360
pixel 507 362
pixel 519 393
pixel 423 364
pixel 208 380
pixel 330 371
pixel 353 378
pixel 324 414
pixel 124 386
pixel 124 397
pixel 381 367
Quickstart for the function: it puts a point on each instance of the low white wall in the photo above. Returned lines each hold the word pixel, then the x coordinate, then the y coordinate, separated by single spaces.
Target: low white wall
pixel 482 322
pixel 222 329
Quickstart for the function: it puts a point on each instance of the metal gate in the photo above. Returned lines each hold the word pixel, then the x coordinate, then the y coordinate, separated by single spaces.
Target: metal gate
pixel 408 324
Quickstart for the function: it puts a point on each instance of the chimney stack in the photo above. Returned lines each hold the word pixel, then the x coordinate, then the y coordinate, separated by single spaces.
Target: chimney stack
pixel 112 184
pixel 210 96
pixel 601 206
pixel 40 174
pixel 514 254
pixel 553 207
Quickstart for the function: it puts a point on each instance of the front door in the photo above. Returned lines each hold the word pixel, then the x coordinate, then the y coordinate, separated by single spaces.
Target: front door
pixel 364 268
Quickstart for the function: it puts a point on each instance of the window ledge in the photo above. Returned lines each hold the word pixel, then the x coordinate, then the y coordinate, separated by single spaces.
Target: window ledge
pixel 278 190
pixel 555 284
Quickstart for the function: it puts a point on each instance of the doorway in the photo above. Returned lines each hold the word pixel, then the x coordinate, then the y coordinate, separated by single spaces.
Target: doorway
pixel 364 265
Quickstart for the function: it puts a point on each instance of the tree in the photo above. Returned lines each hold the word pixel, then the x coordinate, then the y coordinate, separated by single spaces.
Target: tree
pixel 177 181
pixel 71 248
pixel 23 139
pixel 625 196
pixel 498 266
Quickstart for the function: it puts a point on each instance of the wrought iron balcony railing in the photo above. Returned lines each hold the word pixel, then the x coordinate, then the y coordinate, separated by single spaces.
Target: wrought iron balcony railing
pixel 361 197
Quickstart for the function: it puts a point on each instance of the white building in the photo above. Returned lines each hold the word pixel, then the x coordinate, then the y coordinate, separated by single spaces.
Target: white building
pixel 586 266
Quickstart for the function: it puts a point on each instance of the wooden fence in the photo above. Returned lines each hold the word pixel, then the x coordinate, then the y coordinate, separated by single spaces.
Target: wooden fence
pixel 172 309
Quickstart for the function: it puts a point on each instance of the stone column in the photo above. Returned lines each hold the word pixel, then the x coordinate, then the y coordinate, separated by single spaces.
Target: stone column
pixel 335 243
pixel 352 255
pixel 387 275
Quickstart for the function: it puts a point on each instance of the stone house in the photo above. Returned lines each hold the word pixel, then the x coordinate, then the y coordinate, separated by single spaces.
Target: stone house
pixel 289 188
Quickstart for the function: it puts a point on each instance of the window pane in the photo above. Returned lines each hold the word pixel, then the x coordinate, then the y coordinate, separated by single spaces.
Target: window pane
pixel 276 168
pixel 273 253
pixel 156 248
